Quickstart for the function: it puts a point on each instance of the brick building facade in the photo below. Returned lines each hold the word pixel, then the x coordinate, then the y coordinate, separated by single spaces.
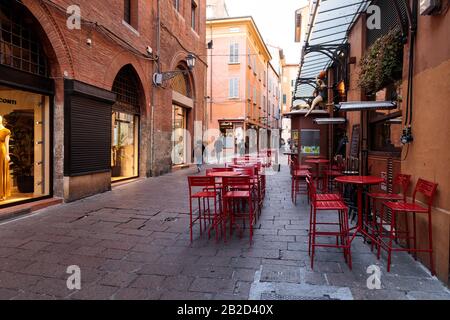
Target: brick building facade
pixel 104 67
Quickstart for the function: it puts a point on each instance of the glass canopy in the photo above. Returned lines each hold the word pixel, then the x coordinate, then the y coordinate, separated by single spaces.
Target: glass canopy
pixel 328 26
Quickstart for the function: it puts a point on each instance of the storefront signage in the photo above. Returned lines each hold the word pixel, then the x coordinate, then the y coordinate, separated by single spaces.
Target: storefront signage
pixel 226 125
pixel 8 101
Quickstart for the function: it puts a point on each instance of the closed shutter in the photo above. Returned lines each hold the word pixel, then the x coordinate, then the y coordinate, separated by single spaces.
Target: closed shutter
pixel 89 136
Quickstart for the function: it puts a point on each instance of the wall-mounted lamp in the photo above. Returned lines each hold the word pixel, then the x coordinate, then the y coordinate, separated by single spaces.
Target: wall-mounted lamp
pixel 341 88
pixel 159 78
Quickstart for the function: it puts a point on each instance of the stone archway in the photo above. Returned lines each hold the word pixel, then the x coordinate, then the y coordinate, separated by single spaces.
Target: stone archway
pixel 126 124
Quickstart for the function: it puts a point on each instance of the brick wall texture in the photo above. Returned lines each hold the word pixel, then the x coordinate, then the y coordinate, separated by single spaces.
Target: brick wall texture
pixel 116 44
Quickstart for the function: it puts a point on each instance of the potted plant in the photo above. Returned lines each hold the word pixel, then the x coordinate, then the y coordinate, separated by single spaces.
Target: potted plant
pixel 21 125
pixel 382 65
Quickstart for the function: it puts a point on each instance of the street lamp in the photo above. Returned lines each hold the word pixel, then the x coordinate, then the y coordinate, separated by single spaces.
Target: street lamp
pixel 191 60
pixel 159 78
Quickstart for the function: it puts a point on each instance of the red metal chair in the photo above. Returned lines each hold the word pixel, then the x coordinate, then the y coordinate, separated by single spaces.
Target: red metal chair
pixel 253 173
pixel 342 236
pixel 428 190
pixel 323 196
pixel 298 184
pixel 238 203
pixel 204 190
pixel 401 184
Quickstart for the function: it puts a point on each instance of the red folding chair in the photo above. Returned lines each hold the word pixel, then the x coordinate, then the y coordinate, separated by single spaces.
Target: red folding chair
pixel 204 190
pixel 428 190
pixel 238 203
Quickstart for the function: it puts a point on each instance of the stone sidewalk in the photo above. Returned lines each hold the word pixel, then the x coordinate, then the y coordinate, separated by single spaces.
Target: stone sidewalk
pixel 133 243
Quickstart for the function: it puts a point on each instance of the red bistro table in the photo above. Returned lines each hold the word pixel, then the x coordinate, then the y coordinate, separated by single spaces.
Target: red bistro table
pixel 317 162
pixel 360 182
pixel 225 174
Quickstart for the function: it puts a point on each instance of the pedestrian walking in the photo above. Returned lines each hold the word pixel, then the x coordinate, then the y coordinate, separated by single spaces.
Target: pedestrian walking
pixel 198 155
pixel 218 147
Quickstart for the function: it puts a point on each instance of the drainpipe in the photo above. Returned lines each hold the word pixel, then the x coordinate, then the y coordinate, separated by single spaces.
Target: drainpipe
pixel 158 67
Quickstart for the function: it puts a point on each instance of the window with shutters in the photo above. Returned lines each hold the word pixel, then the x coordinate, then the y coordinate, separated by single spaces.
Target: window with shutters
pixel 234 53
pixel 254 96
pixel 233 91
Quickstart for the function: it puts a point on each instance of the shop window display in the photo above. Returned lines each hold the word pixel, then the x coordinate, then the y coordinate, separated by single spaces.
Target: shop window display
pixel 24 146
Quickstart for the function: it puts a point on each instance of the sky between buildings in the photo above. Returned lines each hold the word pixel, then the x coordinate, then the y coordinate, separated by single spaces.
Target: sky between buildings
pixel 275 21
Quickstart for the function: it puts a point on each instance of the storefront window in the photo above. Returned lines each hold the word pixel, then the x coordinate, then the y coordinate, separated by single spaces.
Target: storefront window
pixel 179 156
pixel 24 146
pixel 124 153
pixel 310 142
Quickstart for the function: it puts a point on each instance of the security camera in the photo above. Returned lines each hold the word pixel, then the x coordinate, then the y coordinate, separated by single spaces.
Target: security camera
pixel 149 50
pixel 89 42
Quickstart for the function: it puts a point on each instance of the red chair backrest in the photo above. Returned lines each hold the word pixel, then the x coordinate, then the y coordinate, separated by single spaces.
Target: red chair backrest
pixel 403 181
pixel 201 182
pixel 235 182
pixel 428 189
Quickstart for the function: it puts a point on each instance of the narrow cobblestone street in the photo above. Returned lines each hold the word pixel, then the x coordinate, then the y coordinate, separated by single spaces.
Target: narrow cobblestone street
pixel 133 243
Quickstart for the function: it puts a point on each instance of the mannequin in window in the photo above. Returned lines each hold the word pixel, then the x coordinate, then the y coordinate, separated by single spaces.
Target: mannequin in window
pixel 5 183
pixel 320 92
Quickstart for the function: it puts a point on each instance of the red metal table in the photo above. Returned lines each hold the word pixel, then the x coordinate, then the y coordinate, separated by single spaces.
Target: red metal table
pixel 360 182
pixel 225 174
pixel 317 162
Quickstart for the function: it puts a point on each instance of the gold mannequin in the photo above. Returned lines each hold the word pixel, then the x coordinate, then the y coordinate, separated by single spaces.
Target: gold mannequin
pixel 5 180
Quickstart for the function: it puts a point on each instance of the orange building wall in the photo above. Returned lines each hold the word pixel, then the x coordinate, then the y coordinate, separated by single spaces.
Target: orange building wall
pixel 248 106
pixel 428 157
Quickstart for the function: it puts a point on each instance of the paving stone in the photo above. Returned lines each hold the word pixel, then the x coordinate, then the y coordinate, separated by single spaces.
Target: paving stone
pixel 13 265
pixel 52 287
pixel 152 282
pixel 132 294
pixel 7 294
pixel 95 292
pixel 44 269
pixel 209 285
pixel 186 296
pixel 118 279
pixel 280 273
pixel 161 269
pixel 133 243
pixel 17 281
pixel 177 283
